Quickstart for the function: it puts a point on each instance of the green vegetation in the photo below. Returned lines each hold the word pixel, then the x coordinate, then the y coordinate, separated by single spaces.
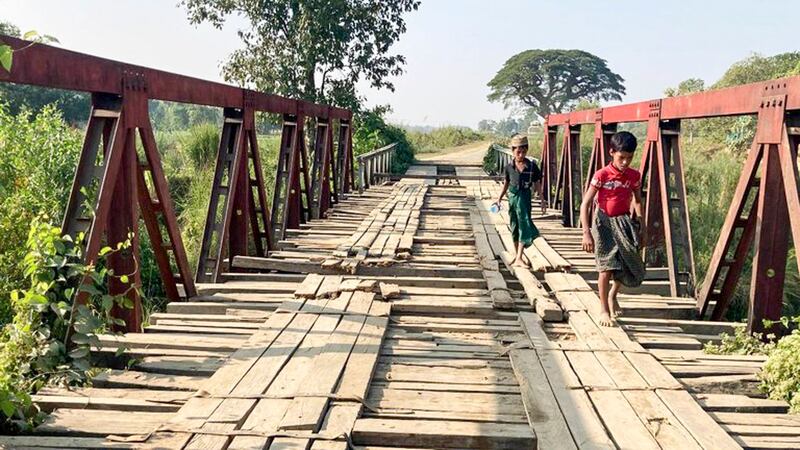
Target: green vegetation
pixel 40 153
pixel 780 376
pixel 282 49
pixel 554 81
pixel 373 132
pixel 444 137
pixel 740 343
pixel 51 336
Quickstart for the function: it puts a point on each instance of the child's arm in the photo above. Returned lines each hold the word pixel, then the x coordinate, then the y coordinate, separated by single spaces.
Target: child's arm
pixel 502 191
pixel 588 198
pixel 637 203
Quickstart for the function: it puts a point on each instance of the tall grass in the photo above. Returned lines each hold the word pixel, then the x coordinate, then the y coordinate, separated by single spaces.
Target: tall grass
pixel 441 138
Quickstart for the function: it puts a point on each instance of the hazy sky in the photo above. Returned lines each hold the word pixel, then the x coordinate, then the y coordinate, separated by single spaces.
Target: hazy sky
pixel 453 47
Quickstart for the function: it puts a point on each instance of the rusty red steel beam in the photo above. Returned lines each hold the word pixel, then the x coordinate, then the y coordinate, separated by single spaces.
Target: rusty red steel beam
pixel 53 67
pixel 733 101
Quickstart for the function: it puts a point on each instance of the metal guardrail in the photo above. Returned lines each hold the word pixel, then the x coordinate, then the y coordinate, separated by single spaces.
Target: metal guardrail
pixel 378 161
pixel 502 157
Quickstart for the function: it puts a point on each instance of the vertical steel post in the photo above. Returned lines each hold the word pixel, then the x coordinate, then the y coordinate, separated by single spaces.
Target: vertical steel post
pixel 549 163
pixel 569 189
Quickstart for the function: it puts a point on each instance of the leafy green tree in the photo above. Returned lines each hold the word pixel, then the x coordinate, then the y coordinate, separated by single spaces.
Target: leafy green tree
pixel 552 81
pixel 317 50
pixel 688 86
pixel 9 29
pixel 760 68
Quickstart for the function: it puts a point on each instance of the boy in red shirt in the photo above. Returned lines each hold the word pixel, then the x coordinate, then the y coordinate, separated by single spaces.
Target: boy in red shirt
pixel 613 235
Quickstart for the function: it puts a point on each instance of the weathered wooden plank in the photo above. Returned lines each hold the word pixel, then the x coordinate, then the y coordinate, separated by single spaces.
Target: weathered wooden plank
pixel 444 434
pixel 540 403
pixel 84 422
pixel 308 288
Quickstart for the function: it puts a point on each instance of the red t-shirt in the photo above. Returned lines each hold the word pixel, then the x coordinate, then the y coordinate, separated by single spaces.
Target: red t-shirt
pixel 615 189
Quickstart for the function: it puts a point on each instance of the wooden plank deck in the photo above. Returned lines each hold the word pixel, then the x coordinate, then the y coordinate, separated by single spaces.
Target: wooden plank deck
pixel 396 322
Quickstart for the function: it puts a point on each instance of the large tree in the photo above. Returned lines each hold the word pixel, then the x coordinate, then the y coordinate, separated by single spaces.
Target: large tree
pixel 317 50
pixel 553 81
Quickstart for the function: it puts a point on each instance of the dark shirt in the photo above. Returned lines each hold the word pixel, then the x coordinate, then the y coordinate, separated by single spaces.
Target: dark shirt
pixel 526 178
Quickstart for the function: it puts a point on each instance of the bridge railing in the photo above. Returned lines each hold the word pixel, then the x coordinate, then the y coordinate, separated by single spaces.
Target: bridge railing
pixel 238 211
pixel 500 157
pixel 765 204
pixel 375 164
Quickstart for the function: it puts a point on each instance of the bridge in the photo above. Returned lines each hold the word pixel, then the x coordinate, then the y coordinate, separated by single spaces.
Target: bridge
pixel 381 311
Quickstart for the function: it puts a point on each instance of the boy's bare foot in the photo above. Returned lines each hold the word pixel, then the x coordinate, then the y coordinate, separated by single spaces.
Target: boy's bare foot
pixel 613 304
pixel 616 311
pixel 519 263
pixel 605 320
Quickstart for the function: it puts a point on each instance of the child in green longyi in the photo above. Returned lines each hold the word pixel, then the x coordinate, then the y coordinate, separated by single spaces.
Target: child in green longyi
pixel 521 176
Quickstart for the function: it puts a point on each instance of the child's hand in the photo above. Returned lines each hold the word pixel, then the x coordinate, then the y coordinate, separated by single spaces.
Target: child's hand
pixel 588 243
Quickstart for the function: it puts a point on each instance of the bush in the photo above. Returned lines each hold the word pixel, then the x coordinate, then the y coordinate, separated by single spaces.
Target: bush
pixel 39 157
pixel 442 138
pixel 740 343
pixel 372 132
pixel 50 339
pixel 200 144
pixel 780 376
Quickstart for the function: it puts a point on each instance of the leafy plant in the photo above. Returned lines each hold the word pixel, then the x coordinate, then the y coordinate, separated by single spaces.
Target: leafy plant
pixel 56 322
pixel 37 164
pixel 780 375
pixel 740 343
pixel 7 53
pixel 200 144
pixel 372 132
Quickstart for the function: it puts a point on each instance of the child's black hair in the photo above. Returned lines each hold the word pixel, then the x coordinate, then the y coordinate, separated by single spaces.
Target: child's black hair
pixel 623 141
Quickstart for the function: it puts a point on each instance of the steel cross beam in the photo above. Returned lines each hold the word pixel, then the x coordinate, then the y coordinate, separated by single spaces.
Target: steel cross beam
pixel 600 156
pixel 732 101
pixel 48 66
pixel 345 167
pixel 322 169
